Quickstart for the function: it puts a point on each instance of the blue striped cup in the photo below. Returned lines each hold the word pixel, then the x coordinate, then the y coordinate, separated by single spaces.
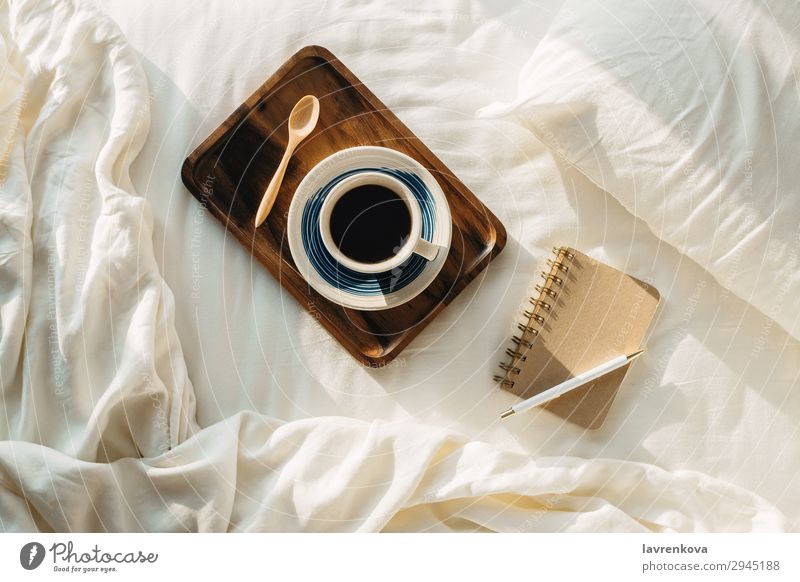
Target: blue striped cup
pixel 366 279
pixel 413 243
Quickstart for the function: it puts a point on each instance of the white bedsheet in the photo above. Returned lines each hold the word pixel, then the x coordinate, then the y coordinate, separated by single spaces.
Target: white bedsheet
pixel 693 440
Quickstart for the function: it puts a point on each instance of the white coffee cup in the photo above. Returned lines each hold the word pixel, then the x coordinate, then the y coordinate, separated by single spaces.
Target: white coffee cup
pixel 412 244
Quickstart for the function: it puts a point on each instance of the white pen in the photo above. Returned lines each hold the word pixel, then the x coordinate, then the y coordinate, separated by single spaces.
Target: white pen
pixel 571 384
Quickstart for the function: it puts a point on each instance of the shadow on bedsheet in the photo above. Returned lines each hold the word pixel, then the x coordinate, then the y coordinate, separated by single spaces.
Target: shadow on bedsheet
pixel 693 306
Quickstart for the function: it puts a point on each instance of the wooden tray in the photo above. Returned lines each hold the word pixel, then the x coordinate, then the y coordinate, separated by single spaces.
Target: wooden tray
pixel 229 171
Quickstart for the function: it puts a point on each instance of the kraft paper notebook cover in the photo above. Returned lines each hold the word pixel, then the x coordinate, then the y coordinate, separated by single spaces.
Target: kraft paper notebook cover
pixel 586 313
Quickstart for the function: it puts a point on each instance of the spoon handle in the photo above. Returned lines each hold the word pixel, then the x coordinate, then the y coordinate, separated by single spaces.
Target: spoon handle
pixel 271 193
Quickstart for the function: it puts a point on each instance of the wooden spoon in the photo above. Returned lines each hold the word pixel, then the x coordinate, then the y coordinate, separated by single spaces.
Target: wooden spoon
pixel 302 121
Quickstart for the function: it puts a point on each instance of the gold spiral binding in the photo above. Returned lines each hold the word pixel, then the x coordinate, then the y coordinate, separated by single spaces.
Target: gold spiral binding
pixel 503 381
pixel 547 291
pixel 521 341
pixel 562 251
pixel 550 277
pixel 515 354
pixel 509 368
pixel 536 317
pixel 558 265
pixel 540 303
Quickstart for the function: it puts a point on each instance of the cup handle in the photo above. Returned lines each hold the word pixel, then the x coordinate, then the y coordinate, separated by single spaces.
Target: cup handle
pixel 427 250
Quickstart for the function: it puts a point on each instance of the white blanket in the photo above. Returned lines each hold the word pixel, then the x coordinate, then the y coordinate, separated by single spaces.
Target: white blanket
pixel 98 406
pixel 91 364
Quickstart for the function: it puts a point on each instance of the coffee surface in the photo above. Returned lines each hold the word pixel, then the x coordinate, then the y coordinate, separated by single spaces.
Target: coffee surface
pixel 370 223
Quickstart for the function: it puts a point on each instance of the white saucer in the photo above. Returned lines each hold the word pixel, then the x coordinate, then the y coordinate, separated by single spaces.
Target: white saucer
pixel 367 157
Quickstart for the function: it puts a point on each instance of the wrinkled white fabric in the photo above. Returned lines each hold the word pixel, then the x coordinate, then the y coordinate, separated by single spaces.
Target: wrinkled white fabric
pixel 91 364
pixel 98 411
pixel 324 474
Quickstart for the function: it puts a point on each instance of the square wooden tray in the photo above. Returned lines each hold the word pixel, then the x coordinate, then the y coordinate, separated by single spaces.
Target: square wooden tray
pixel 229 171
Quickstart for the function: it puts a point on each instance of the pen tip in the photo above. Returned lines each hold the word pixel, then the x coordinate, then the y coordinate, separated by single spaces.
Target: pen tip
pixel 635 355
pixel 507 413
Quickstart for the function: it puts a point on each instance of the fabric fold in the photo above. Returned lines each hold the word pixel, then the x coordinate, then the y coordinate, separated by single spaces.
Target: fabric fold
pixel 254 473
pixel 91 362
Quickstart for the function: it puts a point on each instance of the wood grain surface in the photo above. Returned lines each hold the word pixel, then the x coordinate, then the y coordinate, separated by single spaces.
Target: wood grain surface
pixel 229 171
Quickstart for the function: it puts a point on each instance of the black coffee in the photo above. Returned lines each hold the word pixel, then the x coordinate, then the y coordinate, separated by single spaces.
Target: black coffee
pixel 369 223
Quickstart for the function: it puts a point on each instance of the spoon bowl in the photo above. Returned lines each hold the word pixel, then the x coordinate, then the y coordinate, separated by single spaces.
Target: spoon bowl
pixel 304 116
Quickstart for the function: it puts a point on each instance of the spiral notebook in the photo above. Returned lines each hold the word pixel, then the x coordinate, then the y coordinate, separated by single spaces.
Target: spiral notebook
pixel 586 313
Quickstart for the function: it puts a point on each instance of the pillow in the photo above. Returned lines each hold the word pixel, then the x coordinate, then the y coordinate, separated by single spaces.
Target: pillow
pixel 688 112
